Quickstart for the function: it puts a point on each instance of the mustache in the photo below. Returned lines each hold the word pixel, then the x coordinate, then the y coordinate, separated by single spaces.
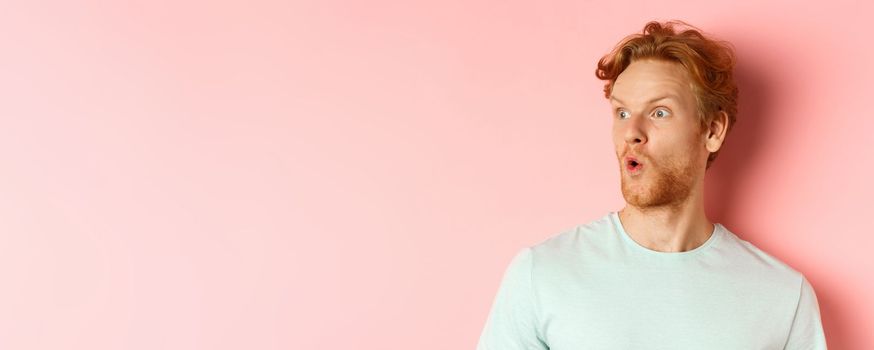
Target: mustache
pixel 642 158
pixel 639 156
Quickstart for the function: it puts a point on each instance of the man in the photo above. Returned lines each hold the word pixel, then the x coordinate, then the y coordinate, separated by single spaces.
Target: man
pixel 657 274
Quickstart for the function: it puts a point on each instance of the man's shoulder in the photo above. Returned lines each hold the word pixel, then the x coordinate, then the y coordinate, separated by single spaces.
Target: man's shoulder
pixel 583 230
pixel 573 241
pixel 730 253
pixel 753 254
pixel 747 258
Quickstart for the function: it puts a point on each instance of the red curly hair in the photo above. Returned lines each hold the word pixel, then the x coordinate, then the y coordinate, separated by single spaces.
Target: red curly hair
pixel 710 63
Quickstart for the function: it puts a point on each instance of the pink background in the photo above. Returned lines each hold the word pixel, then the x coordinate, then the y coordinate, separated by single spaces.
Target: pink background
pixel 357 175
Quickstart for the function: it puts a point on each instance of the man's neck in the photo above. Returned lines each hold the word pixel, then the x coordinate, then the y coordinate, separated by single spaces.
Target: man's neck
pixel 676 228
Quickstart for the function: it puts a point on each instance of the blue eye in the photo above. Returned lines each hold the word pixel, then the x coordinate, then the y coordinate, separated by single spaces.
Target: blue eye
pixel 623 114
pixel 661 113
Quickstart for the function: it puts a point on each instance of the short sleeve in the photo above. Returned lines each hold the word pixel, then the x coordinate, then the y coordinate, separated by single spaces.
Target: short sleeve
pixel 512 322
pixel 806 332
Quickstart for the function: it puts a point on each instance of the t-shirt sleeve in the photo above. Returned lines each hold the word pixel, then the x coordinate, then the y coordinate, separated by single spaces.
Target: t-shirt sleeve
pixel 806 332
pixel 512 323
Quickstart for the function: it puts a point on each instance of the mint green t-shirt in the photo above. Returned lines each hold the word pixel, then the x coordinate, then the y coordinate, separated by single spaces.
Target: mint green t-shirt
pixel 593 287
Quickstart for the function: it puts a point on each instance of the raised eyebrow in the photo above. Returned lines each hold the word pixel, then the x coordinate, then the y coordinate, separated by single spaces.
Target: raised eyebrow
pixel 665 97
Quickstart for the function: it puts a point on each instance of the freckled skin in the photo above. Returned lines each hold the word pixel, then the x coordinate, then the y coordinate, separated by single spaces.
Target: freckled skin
pixel 664 135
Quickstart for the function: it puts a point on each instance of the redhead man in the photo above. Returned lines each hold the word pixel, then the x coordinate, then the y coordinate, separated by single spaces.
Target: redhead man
pixel 657 274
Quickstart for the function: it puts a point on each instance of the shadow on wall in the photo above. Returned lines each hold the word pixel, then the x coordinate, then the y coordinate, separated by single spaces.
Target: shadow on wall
pixel 730 170
pixel 733 171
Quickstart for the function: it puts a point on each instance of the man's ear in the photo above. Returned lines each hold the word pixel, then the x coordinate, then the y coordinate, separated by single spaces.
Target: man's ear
pixel 716 131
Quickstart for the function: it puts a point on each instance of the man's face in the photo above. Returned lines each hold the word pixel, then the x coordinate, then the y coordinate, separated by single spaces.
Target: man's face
pixel 657 135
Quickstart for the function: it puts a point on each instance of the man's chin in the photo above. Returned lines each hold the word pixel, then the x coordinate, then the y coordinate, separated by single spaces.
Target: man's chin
pixel 644 194
pixel 646 197
pixel 637 200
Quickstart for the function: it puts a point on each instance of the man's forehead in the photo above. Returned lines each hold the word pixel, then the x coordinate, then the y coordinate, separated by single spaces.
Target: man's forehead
pixel 651 78
pixel 657 97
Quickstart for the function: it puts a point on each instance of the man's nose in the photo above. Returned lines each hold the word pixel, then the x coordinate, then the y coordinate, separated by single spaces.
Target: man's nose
pixel 635 131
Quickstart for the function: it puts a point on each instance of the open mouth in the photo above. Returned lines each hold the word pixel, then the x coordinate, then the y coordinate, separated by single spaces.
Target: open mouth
pixel 633 165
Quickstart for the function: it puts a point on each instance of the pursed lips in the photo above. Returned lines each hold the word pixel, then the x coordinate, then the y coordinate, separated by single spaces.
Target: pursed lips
pixel 633 165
